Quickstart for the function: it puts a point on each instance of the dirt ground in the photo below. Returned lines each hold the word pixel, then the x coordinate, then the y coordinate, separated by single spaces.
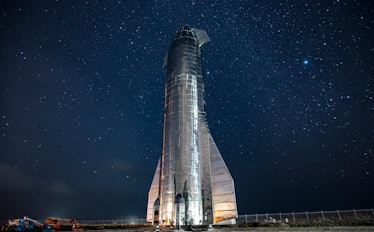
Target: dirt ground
pixel 324 229
pixel 268 229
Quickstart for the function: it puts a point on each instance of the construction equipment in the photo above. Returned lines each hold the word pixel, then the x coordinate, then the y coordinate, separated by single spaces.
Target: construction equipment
pixel 24 224
pixel 63 224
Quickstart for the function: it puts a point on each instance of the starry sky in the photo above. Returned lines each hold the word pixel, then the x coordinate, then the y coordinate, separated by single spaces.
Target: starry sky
pixel 289 91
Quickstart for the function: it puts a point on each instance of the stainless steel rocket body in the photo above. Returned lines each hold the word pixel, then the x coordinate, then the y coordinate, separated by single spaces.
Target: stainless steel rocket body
pixel 183 186
pixel 183 109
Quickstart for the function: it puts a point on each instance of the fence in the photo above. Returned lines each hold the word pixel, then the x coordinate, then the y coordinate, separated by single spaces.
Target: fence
pixel 337 215
pixel 127 221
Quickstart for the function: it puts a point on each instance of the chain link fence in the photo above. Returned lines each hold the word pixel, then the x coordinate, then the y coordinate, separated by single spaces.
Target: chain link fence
pixel 293 217
pixel 337 215
pixel 126 221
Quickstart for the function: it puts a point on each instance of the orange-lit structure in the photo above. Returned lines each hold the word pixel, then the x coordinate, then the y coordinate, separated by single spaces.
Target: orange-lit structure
pixel 63 223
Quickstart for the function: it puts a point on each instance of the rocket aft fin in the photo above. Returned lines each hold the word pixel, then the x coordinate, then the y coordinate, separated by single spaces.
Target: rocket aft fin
pixel 223 189
pixel 153 193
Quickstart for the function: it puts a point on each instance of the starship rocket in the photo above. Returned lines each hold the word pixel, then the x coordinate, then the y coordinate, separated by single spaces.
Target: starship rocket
pixel 191 185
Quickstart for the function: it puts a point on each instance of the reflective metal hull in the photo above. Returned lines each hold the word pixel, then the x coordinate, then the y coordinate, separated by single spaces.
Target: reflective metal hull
pixel 192 185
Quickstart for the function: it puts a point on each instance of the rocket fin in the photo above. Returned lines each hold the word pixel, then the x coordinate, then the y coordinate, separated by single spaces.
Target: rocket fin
pixel 165 62
pixel 202 36
pixel 153 193
pixel 223 189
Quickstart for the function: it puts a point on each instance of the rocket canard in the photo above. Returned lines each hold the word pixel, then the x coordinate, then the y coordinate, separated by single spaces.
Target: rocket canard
pixel 191 185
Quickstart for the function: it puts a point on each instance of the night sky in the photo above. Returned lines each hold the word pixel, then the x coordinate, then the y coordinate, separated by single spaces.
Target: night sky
pixel 289 91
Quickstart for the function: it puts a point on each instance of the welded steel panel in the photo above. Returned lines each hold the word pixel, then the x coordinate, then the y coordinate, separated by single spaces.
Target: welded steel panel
pixel 153 194
pixel 223 189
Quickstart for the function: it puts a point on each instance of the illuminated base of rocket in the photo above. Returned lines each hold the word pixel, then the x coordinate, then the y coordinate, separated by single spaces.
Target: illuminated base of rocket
pixel 220 200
